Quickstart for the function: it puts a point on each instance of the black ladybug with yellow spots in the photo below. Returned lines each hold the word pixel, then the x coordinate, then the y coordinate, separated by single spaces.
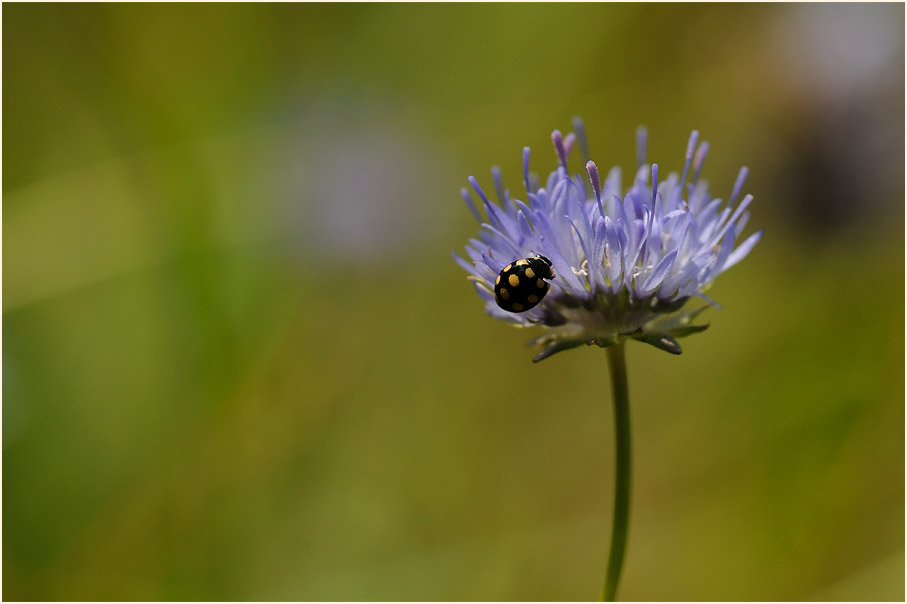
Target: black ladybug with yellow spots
pixel 520 284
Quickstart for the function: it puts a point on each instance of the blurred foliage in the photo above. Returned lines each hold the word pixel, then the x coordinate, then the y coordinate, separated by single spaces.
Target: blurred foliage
pixel 238 362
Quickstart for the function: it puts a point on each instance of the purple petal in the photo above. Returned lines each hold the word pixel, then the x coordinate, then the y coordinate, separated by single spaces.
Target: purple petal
pixel 469 268
pixel 658 273
pixel 561 267
pixel 742 250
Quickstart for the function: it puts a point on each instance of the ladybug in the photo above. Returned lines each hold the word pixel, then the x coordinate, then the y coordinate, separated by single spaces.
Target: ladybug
pixel 520 284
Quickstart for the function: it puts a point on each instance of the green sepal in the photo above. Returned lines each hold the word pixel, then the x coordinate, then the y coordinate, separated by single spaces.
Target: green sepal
pixel 555 347
pixel 673 323
pixel 661 332
pixel 662 341
pixel 689 330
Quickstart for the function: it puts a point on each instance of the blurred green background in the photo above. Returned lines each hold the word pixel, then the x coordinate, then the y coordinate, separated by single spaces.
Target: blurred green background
pixel 239 363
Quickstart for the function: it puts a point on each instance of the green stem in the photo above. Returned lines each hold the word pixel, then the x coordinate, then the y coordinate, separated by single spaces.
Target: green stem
pixel 618 366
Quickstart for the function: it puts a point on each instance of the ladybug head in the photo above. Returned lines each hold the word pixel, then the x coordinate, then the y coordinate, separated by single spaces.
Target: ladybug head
pixel 542 266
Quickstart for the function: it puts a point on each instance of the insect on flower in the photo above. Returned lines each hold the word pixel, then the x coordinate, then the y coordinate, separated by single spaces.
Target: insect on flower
pixel 520 285
pixel 623 264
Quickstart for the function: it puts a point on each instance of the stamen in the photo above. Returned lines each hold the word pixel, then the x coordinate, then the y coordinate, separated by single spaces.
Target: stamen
pixel 526 169
pixel 642 136
pixel 698 160
pixel 569 140
pixel 558 139
pixel 738 185
pixel 691 145
pixel 592 169
pixel 580 130
pixel 730 222
pixel 468 199
pixel 499 187
pixel 475 185
pixel 654 183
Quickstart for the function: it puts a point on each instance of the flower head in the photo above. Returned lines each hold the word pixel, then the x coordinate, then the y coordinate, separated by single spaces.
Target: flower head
pixel 626 263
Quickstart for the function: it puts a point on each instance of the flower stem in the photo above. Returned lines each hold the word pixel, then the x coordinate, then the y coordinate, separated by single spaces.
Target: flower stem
pixel 618 367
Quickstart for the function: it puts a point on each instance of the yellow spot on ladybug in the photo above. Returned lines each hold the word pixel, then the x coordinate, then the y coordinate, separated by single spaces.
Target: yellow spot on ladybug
pixel 532 299
pixel 517 306
pixel 540 283
pixel 521 262
pixel 507 268
pixel 504 293
pixel 530 273
pixel 498 280
pixel 514 280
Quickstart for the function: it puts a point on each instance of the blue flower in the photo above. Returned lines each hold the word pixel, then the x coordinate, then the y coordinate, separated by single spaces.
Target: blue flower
pixel 626 264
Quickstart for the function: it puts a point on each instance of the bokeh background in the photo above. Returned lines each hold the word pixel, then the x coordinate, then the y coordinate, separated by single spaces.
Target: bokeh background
pixel 239 363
